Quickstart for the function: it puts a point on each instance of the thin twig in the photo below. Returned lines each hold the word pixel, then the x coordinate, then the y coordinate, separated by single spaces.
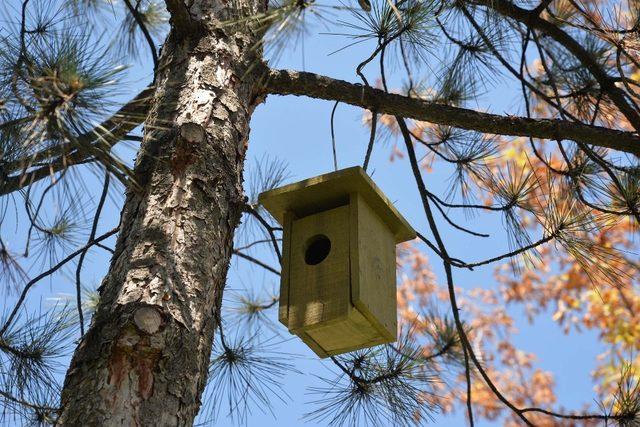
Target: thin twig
pixel 147 35
pixel 269 228
pixel 372 138
pixel 50 271
pixel 92 235
pixel 256 261
pixel 333 136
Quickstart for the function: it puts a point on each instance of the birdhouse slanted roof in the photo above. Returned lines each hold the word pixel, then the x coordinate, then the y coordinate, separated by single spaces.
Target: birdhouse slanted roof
pixel 331 190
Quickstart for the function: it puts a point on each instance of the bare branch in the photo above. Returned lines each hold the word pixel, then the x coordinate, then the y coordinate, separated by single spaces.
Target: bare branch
pixel 286 82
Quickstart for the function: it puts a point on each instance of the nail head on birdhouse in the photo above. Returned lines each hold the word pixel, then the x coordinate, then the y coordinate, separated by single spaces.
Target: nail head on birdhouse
pixel 338 283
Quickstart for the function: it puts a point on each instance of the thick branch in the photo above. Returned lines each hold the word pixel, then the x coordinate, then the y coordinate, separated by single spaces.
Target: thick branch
pixel 286 82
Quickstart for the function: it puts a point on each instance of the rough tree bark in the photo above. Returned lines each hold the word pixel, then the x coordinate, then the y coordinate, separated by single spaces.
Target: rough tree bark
pixel 144 359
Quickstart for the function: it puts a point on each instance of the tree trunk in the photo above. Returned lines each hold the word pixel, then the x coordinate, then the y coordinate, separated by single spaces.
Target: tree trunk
pixel 144 359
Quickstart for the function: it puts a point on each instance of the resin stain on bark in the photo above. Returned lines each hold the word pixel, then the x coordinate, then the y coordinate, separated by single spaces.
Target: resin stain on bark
pixel 132 365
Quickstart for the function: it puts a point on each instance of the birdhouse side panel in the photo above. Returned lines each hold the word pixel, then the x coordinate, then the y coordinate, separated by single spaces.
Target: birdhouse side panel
pixel 373 258
pixel 319 269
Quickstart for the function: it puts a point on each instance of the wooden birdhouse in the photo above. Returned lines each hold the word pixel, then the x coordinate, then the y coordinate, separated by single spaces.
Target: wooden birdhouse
pixel 338 285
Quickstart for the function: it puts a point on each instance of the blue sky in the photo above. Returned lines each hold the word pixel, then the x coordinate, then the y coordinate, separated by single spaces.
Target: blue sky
pixel 296 130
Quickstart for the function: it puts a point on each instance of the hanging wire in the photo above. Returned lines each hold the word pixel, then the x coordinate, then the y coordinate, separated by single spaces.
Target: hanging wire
pixel 372 138
pixel 333 136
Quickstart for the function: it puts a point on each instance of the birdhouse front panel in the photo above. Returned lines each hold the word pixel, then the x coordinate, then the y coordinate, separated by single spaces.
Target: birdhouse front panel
pixel 319 273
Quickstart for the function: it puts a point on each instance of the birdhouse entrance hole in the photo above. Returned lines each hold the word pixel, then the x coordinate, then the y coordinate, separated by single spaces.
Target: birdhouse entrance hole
pixel 318 248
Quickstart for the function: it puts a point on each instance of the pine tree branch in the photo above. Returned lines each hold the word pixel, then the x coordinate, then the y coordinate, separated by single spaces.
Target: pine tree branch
pixel 256 261
pixel 532 19
pixel 605 417
pixel 467 349
pixel 286 82
pixel 145 32
pixel 22 402
pixel 18 173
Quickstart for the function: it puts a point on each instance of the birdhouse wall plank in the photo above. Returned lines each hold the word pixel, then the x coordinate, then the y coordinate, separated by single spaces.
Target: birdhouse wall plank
pixel 283 306
pixel 321 291
pixel 345 335
pixel 373 263
pixel 312 344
